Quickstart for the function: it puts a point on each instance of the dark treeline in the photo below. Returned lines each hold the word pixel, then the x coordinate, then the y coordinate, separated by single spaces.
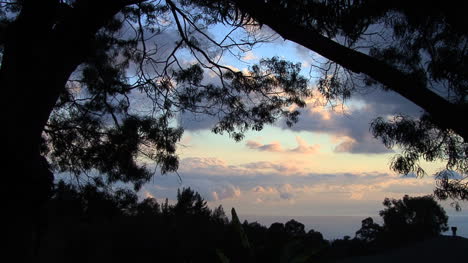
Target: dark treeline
pixel 91 224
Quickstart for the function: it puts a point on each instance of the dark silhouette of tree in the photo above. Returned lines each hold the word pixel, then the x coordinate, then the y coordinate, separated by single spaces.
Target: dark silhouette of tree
pixel 188 231
pixel 294 228
pixel 219 216
pixel 369 231
pixel 413 218
pixel 109 226
pixel 315 238
pixel 258 238
pixel 405 221
pixel 191 203
pixel 95 201
pixel 344 248
pixel 149 207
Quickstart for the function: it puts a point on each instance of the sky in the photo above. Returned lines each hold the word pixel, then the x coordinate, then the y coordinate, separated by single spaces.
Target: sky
pixel 326 164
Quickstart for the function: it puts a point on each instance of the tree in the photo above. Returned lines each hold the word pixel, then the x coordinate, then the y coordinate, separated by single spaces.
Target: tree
pixel 149 207
pixel 369 231
pixel 413 218
pixel 414 49
pixel 294 228
pixel 190 202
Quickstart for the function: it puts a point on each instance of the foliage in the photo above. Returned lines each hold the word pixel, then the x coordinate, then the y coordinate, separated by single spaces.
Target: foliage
pixel 421 139
pixel 449 185
pixel 369 231
pixel 405 220
pixel 413 218
pixel 294 228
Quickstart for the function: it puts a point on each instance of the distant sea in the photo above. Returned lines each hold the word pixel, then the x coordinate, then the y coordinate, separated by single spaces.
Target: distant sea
pixel 334 227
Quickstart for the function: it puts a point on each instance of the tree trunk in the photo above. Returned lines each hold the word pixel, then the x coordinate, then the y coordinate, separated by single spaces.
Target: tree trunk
pixel 30 88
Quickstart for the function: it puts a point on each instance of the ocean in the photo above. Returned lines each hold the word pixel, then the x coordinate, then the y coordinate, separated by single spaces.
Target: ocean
pixel 334 227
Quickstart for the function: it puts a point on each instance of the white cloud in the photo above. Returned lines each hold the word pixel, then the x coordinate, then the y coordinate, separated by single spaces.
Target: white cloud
pixel 249 55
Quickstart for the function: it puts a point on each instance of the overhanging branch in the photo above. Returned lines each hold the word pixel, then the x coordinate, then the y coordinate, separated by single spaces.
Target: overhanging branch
pixel 445 114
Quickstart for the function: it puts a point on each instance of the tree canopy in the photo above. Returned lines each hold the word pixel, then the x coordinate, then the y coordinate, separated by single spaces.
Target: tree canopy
pixel 405 220
pixel 414 217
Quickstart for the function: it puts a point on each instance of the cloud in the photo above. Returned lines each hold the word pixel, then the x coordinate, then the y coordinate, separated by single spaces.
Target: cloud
pixel 415 187
pixel 366 145
pixel 249 55
pixel 278 184
pixel 199 162
pixel 302 147
pixel 225 192
pixel 147 194
pixel 277 187
pixel 272 147
pixel 349 126
pixel 261 189
pixel 278 167
pixel 286 192
pixel 286 196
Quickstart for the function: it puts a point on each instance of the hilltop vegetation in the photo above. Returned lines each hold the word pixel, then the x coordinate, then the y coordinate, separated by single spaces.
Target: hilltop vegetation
pixel 92 224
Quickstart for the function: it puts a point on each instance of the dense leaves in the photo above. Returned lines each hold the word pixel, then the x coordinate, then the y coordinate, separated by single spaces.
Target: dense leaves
pixel 405 220
pixel 369 231
pixel 413 217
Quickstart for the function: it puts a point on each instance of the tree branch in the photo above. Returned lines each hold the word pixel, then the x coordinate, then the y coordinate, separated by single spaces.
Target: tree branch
pixel 441 111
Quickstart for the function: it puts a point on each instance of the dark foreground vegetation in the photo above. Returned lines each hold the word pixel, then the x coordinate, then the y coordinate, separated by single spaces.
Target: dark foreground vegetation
pixel 91 224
